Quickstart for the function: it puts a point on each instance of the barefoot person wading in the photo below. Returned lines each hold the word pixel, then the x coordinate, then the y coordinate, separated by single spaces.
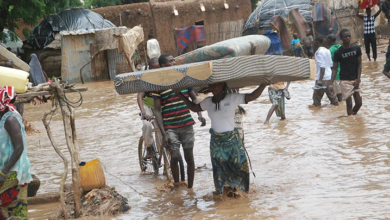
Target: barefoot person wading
pixel 230 164
pixel 176 124
pixel 350 58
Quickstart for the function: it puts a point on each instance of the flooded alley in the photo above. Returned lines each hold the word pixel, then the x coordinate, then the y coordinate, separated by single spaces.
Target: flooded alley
pixel 317 164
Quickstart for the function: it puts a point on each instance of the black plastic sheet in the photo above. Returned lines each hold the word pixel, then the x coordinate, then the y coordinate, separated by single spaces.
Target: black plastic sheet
pixel 74 19
pixel 262 16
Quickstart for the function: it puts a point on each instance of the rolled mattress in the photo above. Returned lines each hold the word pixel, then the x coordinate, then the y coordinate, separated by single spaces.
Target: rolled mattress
pixel 237 72
pixel 240 46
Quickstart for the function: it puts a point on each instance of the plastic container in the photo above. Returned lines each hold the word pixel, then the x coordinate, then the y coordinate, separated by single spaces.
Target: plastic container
pixel 92 175
pixel 14 77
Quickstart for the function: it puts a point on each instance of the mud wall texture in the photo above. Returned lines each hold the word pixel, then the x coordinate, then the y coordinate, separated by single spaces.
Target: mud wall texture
pixel 129 15
pixel 189 13
pixel 156 17
pixel 347 20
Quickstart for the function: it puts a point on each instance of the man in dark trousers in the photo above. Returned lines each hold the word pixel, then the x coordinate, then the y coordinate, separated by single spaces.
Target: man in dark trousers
pixel 369 30
pixel 350 58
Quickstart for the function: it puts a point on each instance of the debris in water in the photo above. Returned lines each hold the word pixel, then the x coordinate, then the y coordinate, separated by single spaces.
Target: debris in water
pixel 29 128
pixel 98 203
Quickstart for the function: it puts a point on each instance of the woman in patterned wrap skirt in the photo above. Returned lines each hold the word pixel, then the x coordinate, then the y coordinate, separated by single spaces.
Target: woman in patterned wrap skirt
pixel 15 171
pixel 228 158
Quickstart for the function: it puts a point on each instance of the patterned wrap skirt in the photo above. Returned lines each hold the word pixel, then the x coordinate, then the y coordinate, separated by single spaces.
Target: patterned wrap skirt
pixel 229 161
pixel 276 96
pixel 13 199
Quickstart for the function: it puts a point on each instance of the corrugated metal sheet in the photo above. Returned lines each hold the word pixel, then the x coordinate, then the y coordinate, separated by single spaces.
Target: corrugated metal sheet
pixel 113 57
pixel 75 53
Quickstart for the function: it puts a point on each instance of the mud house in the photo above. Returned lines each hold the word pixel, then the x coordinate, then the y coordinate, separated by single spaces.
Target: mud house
pixel 157 17
pixel 222 19
pixel 91 55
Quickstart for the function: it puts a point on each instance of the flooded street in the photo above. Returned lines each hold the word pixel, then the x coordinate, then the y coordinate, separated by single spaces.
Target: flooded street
pixel 314 165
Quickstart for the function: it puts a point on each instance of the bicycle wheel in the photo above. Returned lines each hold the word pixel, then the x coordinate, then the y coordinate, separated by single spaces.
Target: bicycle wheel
pixel 155 159
pixel 142 163
pixel 167 164
pixel 181 167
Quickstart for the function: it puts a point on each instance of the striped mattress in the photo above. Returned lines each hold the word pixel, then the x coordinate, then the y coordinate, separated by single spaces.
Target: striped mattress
pixel 238 72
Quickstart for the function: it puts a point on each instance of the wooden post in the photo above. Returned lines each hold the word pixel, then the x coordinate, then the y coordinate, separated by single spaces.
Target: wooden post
pixel 65 174
pixel 70 140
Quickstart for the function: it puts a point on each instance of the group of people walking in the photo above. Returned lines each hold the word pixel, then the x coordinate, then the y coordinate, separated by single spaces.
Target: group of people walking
pixel 338 68
pixel 171 109
pixel 345 64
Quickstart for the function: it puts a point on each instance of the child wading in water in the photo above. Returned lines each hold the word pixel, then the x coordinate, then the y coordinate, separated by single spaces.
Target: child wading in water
pixel 297 45
pixel 308 44
pixel 277 92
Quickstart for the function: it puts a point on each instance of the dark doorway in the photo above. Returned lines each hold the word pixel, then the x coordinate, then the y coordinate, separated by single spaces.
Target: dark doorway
pixel 199 22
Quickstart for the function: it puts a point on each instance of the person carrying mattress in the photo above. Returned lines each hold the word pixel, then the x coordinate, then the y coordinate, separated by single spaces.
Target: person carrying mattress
pixel 176 124
pixel 229 161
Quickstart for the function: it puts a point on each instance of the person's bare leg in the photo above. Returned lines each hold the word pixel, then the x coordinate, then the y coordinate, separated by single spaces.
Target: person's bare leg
pixel 358 103
pixel 340 97
pixel 189 157
pixel 175 164
pixel 348 102
pixel 270 112
pixel 386 73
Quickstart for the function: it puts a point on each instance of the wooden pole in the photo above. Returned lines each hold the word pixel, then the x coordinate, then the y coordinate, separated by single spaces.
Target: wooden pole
pixel 74 153
pixel 55 146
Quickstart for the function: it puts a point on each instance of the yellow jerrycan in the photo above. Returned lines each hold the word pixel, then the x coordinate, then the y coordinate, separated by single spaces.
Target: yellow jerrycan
pixel 92 175
pixel 14 77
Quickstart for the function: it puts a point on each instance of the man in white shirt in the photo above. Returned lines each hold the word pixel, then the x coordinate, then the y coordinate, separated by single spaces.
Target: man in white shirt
pixel 324 66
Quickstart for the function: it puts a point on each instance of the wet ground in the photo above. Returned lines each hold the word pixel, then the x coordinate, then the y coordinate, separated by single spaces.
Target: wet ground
pixel 314 165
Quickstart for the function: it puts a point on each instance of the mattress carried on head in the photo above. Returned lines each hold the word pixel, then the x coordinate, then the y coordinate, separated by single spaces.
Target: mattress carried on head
pixel 235 47
pixel 236 71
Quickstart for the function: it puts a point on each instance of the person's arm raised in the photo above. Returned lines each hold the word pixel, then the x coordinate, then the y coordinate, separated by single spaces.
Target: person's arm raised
pixel 380 9
pixel 255 94
pixel 357 11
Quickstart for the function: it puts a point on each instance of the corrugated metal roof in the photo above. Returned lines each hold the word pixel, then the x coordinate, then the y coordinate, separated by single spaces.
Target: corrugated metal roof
pixel 77 32
pixel 92 31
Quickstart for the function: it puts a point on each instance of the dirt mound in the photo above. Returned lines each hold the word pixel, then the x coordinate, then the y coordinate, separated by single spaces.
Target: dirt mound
pixel 98 203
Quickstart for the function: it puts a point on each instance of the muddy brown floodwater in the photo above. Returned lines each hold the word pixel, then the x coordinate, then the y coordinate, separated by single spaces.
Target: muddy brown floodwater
pixel 314 165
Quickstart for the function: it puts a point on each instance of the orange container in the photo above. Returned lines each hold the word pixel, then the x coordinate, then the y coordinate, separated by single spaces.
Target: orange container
pixel 92 175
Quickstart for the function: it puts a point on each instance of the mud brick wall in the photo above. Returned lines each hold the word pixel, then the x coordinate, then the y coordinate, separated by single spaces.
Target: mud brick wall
pixel 189 13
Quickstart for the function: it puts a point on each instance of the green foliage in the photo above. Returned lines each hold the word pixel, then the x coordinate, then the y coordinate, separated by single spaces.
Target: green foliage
pixel 27 33
pixel 28 11
pixel 254 4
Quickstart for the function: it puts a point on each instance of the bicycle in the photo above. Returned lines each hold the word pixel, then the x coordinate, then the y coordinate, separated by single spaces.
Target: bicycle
pixel 158 153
